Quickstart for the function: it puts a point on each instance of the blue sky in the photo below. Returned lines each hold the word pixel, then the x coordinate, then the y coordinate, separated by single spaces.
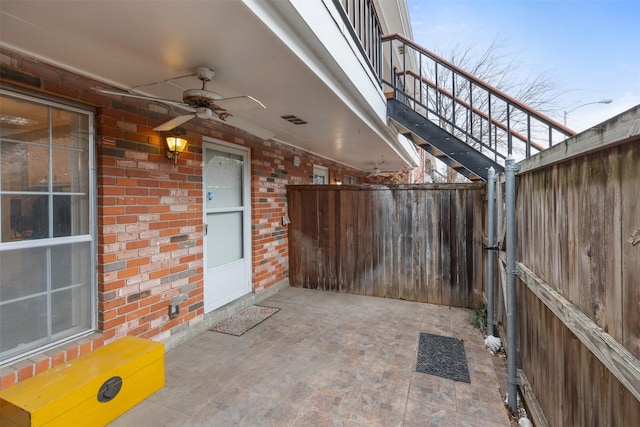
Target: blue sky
pixel 589 49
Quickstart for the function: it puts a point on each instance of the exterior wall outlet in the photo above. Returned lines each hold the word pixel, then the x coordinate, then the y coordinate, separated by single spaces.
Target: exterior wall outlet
pixel 174 310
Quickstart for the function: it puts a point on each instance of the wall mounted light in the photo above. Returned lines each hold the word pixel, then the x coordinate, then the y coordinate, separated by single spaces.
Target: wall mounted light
pixel 338 181
pixel 175 146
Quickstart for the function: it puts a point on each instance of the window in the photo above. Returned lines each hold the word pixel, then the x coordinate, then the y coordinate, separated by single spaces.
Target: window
pixel 320 175
pixel 351 180
pixel 46 233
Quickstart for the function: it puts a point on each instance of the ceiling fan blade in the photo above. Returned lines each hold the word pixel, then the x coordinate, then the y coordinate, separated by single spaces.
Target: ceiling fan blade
pixel 247 126
pixel 176 121
pixel 239 103
pixel 134 95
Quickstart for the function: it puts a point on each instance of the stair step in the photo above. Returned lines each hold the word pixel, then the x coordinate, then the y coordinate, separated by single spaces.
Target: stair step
pixel 437 141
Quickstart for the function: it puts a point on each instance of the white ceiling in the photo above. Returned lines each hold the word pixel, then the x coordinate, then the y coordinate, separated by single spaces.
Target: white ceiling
pixel 131 43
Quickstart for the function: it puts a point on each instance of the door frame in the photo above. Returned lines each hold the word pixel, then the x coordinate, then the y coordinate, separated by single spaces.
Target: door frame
pixel 245 152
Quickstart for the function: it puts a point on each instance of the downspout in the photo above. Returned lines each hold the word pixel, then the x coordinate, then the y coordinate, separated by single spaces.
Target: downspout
pixel 492 342
pixel 510 206
pixel 491 184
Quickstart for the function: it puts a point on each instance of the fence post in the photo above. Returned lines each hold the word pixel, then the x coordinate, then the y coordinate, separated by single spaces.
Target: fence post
pixel 491 243
pixel 510 169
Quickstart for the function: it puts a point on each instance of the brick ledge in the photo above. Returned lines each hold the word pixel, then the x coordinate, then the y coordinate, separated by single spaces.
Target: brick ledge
pixel 40 362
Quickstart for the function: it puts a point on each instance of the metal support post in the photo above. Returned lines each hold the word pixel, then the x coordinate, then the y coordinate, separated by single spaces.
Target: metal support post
pixel 512 356
pixel 491 183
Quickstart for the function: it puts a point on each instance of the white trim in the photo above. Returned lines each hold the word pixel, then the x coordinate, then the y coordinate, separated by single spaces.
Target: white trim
pixel 38 243
pixel 342 63
pixel 245 152
pixel 91 237
pixel 322 171
pixel 350 179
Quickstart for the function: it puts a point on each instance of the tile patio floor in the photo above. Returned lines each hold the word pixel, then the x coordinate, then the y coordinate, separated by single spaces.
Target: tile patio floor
pixel 325 359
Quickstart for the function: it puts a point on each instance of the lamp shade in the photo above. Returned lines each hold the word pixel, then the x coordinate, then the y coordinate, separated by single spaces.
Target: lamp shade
pixel 176 144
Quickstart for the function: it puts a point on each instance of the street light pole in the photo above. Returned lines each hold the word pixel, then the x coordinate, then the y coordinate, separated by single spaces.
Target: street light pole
pixel 604 101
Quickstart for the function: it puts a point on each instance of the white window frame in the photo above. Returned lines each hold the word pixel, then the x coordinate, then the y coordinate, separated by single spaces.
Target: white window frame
pixel 320 172
pixel 51 242
pixel 350 180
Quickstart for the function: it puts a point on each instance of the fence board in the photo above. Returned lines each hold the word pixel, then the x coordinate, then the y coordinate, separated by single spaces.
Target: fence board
pixel 580 349
pixel 580 375
pixel 582 211
pixel 419 243
pixel 630 252
pixel 620 361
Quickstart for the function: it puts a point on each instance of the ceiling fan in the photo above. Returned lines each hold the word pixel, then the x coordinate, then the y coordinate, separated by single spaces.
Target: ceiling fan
pixel 205 104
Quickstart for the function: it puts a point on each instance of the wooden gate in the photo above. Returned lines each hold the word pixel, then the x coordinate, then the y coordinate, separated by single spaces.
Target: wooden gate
pixel 413 242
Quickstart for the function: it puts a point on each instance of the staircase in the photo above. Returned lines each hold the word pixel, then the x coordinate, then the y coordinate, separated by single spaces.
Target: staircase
pixel 458 118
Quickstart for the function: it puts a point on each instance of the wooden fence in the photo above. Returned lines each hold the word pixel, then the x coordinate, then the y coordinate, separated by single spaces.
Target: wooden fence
pixel 413 242
pixel 578 262
pixel 578 290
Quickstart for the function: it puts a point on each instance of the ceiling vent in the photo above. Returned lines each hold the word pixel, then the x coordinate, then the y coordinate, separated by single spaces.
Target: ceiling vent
pixel 295 120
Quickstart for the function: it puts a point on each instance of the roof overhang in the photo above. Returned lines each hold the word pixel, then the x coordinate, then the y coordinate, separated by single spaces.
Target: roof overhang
pixel 268 50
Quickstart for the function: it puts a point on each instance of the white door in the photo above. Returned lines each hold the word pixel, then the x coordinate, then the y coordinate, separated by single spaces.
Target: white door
pixel 227 211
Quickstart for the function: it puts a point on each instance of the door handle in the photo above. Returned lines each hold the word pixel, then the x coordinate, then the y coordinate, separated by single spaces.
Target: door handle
pixel 205 228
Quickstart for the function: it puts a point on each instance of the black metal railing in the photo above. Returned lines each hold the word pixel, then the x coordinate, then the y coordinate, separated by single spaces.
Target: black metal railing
pixel 468 108
pixel 363 24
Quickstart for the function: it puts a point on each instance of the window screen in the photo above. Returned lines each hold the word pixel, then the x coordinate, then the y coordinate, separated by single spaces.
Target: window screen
pixel 46 238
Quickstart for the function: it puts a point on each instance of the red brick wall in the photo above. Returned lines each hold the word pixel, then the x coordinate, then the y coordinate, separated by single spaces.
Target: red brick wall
pixel 150 231
pixel 149 212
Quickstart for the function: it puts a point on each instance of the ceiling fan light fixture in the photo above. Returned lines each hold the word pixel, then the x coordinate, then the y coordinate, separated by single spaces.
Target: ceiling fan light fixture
pixel 203 113
pixel 201 103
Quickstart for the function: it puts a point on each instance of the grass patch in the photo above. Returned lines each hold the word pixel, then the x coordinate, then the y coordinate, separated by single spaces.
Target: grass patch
pixel 479 317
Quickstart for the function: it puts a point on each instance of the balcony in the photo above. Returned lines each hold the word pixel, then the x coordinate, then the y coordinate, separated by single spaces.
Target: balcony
pixel 363 24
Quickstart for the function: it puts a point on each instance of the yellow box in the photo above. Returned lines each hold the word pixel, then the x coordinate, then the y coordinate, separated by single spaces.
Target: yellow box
pixel 68 395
